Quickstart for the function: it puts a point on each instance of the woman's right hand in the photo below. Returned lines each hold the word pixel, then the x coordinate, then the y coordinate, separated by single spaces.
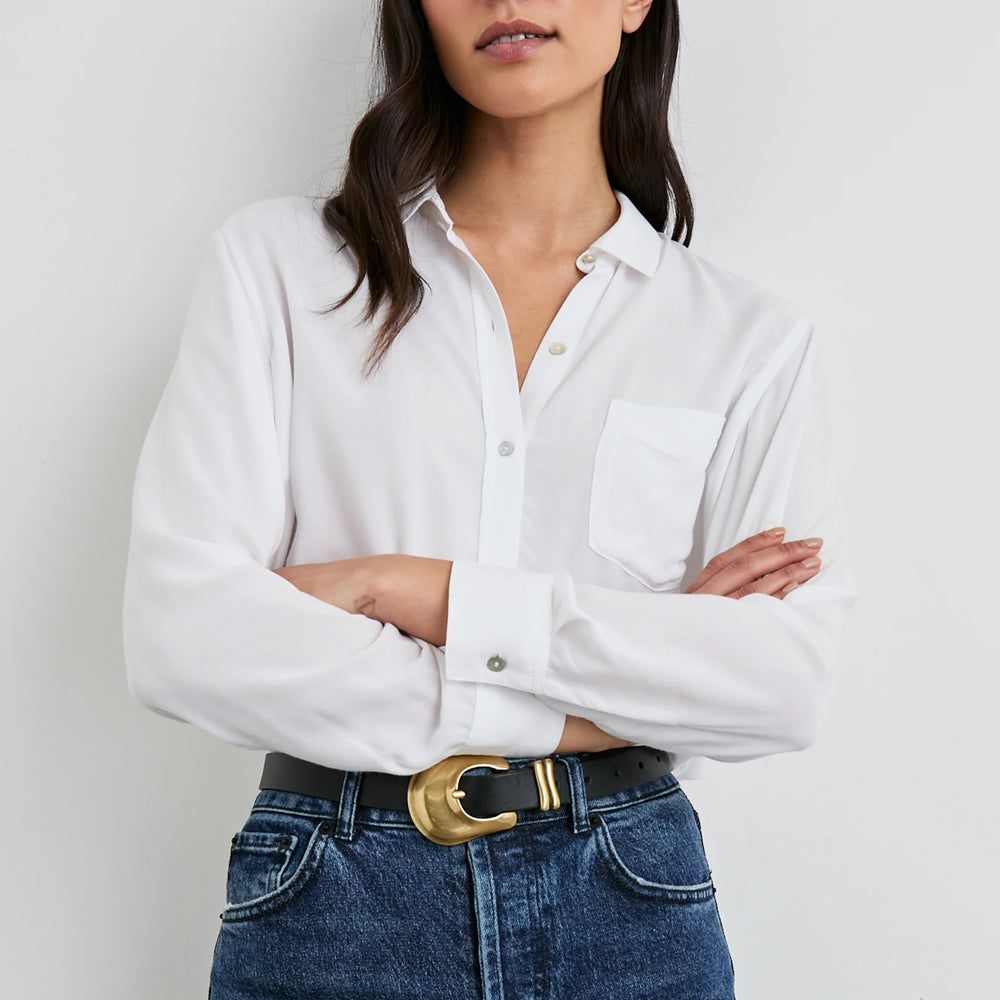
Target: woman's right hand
pixel 761 564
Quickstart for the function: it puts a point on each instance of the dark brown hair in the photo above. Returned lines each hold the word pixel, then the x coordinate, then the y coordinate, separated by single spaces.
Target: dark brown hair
pixel 413 134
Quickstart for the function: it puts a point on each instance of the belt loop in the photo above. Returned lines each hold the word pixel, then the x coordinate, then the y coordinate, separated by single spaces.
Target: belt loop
pixel 577 793
pixel 348 804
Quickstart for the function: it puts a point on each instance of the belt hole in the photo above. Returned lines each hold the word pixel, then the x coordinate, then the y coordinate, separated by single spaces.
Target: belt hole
pixel 586 779
pixel 658 757
pixel 640 763
pixel 618 772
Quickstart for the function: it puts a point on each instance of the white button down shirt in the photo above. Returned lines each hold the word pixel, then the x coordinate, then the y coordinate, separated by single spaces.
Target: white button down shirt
pixel 671 410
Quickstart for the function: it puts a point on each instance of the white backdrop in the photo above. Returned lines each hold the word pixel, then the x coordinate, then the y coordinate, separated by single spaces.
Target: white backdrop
pixel 846 155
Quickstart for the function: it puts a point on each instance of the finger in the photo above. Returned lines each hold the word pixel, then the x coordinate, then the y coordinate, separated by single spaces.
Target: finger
pixel 746 569
pixel 754 543
pixel 785 579
pixel 746 572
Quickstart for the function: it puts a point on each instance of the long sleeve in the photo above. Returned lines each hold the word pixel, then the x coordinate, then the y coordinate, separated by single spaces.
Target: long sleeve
pixel 213 637
pixel 693 674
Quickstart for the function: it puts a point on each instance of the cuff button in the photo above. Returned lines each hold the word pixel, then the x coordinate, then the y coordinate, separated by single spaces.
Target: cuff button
pixel 496 663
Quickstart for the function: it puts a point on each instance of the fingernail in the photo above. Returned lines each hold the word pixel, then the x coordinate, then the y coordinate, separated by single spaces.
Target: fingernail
pixel 775 531
pixel 790 588
pixel 813 543
pixel 811 562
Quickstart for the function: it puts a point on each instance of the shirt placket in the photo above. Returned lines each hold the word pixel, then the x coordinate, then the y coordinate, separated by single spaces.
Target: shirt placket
pixel 503 466
pixel 496 630
pixel 509 414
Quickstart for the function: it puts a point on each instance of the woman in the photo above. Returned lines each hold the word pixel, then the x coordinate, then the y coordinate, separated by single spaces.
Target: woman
pixel 417 506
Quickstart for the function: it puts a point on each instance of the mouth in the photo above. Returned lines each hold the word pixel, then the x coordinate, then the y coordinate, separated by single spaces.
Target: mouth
pixel 511 33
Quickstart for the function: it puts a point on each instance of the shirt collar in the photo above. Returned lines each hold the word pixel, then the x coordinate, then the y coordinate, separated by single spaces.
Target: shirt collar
pixel 422 196
pixel 631 239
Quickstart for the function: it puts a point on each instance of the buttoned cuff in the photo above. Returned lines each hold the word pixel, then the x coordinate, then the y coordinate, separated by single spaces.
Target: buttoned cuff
pixel 499 625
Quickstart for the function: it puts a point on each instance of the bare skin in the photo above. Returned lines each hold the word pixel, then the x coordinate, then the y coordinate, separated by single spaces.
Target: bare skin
pixel 411 592
pixel 531 190
pixel 530 258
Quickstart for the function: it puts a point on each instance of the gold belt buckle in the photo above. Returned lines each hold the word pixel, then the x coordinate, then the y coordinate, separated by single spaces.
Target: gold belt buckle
pixel 434 798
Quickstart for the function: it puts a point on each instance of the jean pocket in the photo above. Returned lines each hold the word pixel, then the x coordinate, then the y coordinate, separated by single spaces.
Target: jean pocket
pixel 654 848
pixel 649 475
pixel 272 859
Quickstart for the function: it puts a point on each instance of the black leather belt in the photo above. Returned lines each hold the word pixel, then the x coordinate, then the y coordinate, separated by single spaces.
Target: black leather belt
pixel 481 795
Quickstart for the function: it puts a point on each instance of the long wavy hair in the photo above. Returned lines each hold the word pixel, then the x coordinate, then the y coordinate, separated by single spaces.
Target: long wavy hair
pixel 413 132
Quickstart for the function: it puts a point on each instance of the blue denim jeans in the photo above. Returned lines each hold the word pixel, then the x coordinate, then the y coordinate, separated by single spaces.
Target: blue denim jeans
pixel 599 899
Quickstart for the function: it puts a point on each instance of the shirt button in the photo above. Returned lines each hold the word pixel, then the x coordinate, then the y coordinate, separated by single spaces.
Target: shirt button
pixel 588 257
pixel 496 663
pixel 557 348
pixel 505 448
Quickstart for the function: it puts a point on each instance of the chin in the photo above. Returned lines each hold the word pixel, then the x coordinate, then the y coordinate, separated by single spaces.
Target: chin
pixel 514 110
pixel 521 102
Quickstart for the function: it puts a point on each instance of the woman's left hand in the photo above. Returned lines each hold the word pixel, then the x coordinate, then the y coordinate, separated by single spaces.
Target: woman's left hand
pixel 411 592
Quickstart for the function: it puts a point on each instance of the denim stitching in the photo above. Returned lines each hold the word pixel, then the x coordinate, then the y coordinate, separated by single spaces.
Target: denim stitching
pixel 700 892
pixel 311 865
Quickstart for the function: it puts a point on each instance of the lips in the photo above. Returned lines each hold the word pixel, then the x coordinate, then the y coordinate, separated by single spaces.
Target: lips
pixel 500 29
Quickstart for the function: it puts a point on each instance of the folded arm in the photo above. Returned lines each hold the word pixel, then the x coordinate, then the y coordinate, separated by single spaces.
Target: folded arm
pixel 693 673
pixel 214 637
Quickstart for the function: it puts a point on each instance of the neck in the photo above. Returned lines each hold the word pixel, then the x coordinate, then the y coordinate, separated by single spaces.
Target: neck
pixel 540 180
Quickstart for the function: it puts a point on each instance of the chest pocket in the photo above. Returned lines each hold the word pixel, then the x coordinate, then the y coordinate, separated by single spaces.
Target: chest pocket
pixel 649 474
